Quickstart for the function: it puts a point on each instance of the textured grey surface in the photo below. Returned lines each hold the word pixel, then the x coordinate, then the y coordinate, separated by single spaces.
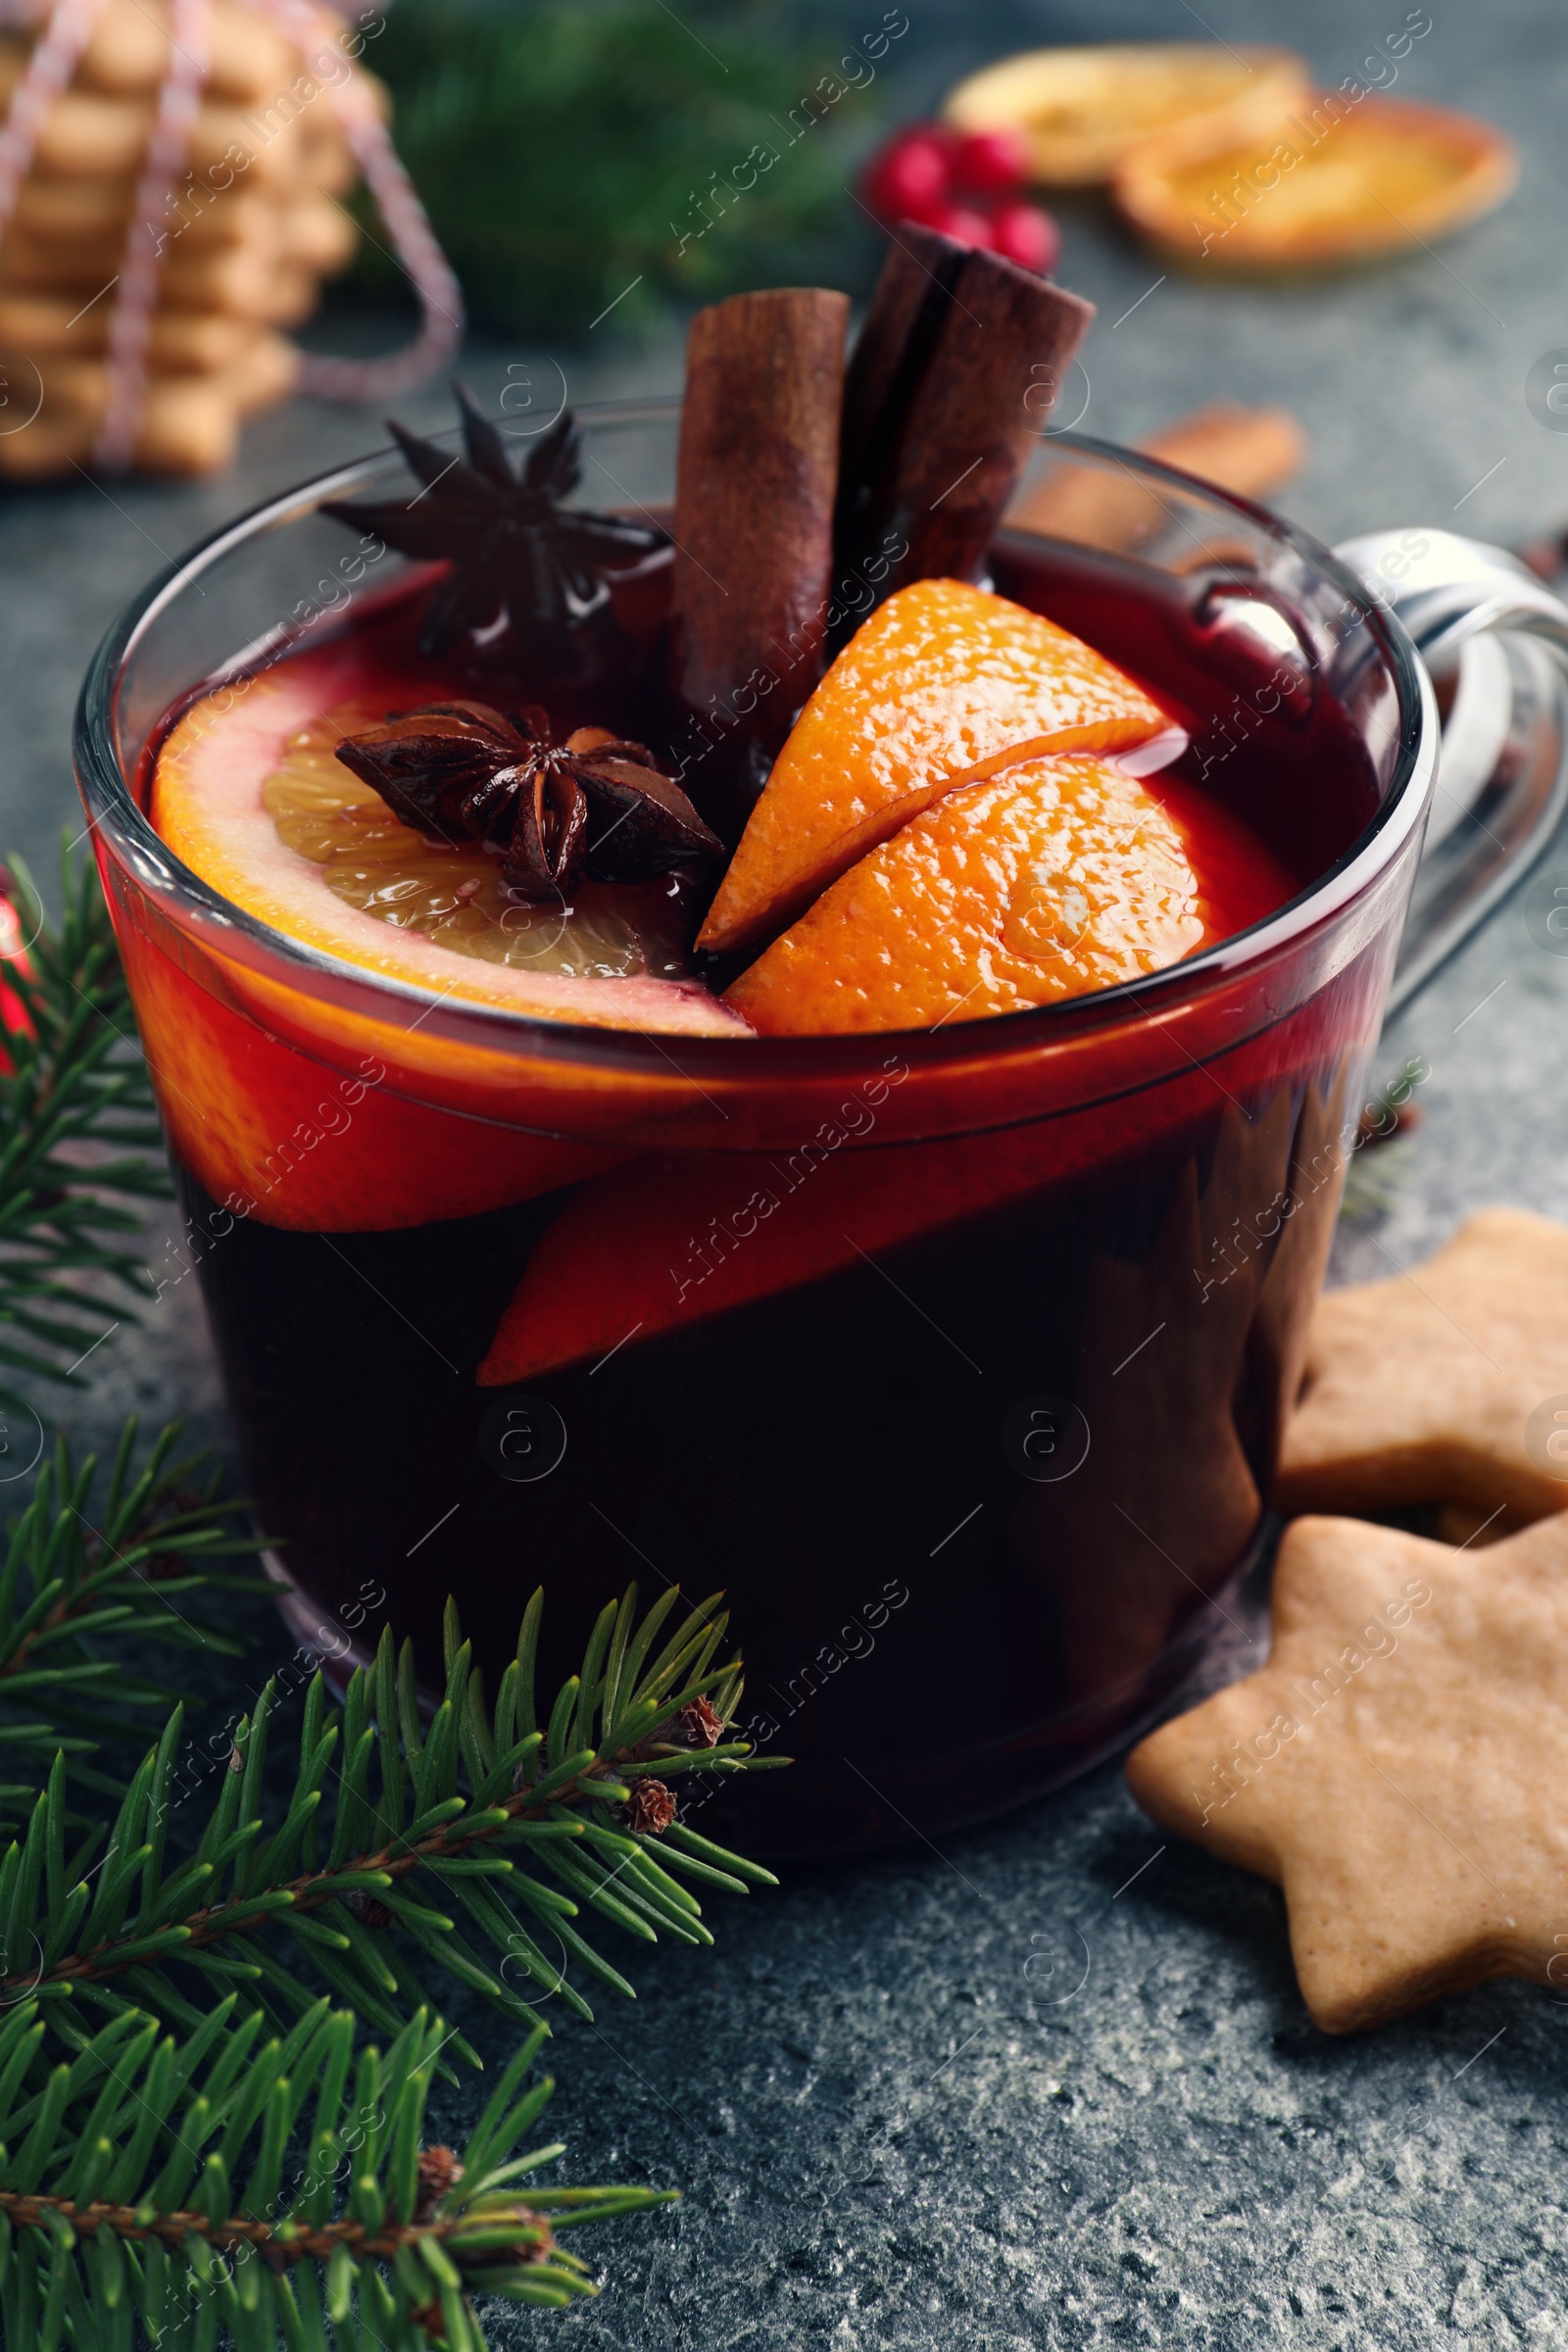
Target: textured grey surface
pixel 1055 2085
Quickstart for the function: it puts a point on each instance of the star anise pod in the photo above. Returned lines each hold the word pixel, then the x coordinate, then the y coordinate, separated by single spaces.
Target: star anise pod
pixel 593 804
pixel 514 547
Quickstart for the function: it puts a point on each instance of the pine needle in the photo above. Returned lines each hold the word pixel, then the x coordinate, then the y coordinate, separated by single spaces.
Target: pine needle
pixel 79 1143
pixel 483 1880
pixel 289 2200
pixel 99 1558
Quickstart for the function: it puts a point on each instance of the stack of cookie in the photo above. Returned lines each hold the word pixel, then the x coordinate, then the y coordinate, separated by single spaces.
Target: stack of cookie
pixel 1397 1765
pixel 251 227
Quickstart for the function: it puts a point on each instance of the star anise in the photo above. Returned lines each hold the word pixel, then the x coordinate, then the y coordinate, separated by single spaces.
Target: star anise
pixel 514 547
pixel 593 804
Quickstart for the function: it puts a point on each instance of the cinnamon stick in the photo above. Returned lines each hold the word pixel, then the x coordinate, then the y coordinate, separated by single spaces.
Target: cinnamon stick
pixel 956 368
pixel 919 272
pixel 757 477
pixel 1250 451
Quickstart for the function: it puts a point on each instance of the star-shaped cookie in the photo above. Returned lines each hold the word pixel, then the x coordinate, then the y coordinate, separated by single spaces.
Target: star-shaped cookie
pixel 1397 1766
pixel 1445 1384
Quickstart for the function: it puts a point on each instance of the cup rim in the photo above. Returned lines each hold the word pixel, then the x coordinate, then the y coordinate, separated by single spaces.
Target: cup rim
pixel 193 904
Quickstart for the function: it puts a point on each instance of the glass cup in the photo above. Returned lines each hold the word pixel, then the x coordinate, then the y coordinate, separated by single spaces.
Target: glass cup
pixel 958 1359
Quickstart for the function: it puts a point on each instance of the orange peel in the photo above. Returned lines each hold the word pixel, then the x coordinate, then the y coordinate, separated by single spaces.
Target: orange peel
pixel 1055 877
pixel 941 687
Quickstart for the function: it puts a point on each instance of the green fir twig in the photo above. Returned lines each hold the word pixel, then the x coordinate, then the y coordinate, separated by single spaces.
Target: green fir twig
pixel 90 1565
pixel 269 2191
pixel 80 1142
pixel 395 1833
pixel 1374 1173
pixel 587 164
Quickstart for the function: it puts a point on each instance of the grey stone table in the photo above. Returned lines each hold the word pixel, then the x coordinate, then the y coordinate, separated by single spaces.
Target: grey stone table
pixel 1053 2085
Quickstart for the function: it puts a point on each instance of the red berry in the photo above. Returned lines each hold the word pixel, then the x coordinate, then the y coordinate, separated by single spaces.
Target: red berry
pixel 1026 235
pixel 963 225
pixel 992 162
pixel 909 178
pixel 14 1014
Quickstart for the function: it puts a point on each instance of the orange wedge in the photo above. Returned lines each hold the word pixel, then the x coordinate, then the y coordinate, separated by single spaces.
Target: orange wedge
pixel 665 1243
pixel 941 687
pixel 1340 179
pixel 247 790
pixel 1055 878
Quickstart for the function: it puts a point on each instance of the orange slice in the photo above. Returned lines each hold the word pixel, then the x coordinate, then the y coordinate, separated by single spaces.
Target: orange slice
pixel 1055 877
pixel 1082 109
pixel 942 686
pixel 317 1146
pixel 248 793
pixel 1341 179
pixel 664 1244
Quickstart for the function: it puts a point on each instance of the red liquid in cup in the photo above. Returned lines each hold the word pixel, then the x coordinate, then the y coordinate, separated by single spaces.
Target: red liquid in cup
pixel 973 1426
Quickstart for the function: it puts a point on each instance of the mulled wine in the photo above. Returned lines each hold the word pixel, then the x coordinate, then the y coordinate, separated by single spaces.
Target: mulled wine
pixel 827 1083
pixel 979 1436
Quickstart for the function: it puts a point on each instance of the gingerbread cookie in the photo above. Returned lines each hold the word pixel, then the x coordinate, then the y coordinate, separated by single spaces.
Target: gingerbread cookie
pixel 1444 1385
pixel 1396 1766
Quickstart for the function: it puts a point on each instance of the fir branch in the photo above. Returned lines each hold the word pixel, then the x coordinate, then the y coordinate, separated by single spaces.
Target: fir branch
pixel 88 1566
pixel 79 1141
pixel 571 157
pixel 1373 1172
pixel 151 2179
pixel 583 1800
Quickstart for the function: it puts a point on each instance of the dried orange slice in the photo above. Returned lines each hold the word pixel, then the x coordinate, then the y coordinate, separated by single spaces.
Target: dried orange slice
pixel 248 793
pixel 1055 878
pixel 1339 178
pixel 942 686
pixel 1081 110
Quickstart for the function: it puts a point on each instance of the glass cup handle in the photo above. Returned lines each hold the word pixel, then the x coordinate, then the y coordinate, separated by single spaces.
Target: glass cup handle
pixel 1496 640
